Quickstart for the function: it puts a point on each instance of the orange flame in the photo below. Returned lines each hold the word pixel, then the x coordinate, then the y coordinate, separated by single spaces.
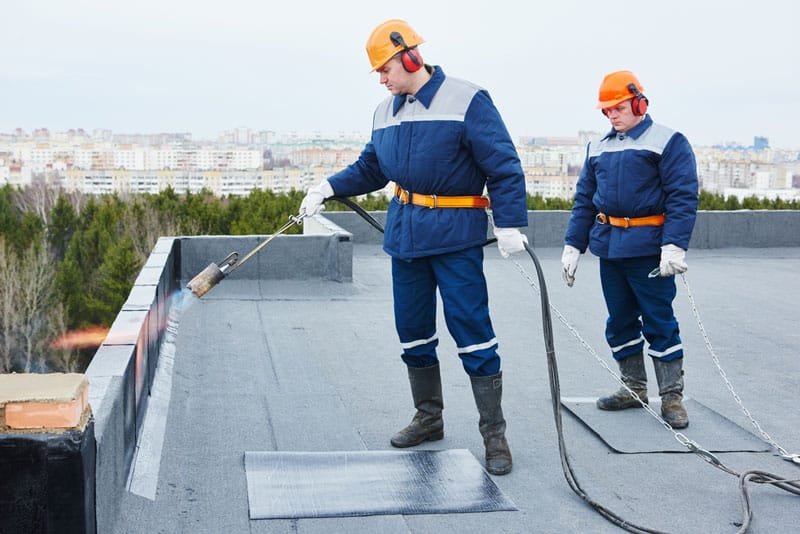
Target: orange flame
pixel 84 338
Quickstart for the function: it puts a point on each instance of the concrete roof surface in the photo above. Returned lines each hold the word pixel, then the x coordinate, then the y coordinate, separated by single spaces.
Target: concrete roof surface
pixel 271 365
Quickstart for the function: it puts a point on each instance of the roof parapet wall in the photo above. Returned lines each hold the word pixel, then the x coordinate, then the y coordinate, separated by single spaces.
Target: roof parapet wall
pixel 713 229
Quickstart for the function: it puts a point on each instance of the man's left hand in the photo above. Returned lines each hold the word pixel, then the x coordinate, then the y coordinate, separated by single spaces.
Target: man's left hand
pixel 673 260
pixel 510 241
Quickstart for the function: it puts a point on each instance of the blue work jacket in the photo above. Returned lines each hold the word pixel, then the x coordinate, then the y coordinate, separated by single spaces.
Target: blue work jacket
pixel 648 170
pixel 448 139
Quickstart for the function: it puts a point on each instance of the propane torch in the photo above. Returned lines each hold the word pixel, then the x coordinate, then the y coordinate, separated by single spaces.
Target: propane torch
pixel 215 273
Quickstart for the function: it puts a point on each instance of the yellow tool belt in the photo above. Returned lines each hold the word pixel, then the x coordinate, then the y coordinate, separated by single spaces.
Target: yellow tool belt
pixel 627 222
pixel 436 201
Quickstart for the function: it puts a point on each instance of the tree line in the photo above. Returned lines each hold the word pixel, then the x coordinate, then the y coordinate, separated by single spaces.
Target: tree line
pixel 69 260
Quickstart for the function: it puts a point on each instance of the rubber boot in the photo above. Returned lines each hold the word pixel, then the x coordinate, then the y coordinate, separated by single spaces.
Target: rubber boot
pixel 488 393
pixel 634 376
pixel 670 387
pixel 427 424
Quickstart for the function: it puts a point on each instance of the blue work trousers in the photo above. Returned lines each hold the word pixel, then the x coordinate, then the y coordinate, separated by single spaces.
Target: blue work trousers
pixel 462 286
pixel 639 309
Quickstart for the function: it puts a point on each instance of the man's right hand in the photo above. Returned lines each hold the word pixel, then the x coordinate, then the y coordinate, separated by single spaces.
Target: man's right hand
pixel 314 200
pixel 569 262
pixel 510 241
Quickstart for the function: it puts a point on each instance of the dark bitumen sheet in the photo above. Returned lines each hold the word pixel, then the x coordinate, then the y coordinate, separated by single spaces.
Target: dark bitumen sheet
pixel 292 485
pixel 636 431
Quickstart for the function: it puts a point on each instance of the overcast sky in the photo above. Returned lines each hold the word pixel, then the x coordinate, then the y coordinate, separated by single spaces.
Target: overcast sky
pixel 716 70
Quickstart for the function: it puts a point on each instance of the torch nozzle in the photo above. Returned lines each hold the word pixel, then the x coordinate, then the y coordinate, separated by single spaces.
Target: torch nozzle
pixel 211 275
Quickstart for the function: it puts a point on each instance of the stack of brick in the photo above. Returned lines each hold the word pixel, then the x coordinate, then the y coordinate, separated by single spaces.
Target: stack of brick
pixel 43 402
pixel 47 454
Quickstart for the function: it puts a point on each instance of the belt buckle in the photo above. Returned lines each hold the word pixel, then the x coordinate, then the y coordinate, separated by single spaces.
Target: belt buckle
pixel 601 218
pixel 627 222
pixel 434 201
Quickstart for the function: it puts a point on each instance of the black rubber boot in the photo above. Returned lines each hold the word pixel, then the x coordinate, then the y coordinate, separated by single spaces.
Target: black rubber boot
pixel 427 424
pixel 634 376
pixel 488 392
pixel 670 387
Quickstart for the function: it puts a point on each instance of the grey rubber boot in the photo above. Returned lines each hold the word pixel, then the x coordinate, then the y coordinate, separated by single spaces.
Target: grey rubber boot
pixel 670 387
pixel 488 393
pixel 427 424
pixel 634 376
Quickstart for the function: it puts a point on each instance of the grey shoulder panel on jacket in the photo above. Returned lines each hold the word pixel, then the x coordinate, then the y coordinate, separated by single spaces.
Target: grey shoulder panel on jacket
pixel 383 114
pixel 450 103
pixel 654 139
pixel 454 97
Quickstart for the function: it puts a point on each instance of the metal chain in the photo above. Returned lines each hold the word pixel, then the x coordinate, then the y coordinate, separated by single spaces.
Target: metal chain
pixel 783 452
pixel 679 436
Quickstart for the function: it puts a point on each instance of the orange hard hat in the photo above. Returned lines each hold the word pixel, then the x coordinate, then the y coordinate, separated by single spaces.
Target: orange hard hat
pixel 616 88
pixel 383 42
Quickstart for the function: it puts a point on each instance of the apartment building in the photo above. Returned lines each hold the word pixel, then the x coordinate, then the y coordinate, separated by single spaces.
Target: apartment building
pixel 123 181
pixel 746 171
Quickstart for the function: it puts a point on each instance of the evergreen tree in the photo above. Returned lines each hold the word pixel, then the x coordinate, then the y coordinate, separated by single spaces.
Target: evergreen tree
pixel 8 216
pixel 115 278
pixel 262 212
pixel 77 277
pixel 63 220
pixel 709 201
pixel 70 292
pixel 203 214
pixel 732 203
pixel 751 203
pixel 20 229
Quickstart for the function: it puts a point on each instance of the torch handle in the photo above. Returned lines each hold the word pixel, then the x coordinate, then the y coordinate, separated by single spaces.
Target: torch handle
pixel 293 219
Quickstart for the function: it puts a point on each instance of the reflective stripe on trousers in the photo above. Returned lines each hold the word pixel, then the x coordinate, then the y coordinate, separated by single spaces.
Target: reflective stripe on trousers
pixel 462 286
pixel 639 309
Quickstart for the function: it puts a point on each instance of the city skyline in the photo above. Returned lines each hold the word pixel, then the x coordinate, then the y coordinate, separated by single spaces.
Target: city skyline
pixel 242 160
pixel 719 71
pixel 243 135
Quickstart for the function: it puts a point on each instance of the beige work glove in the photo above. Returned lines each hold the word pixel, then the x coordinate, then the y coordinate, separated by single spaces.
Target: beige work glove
pixel 510 241
pixel 569 261
pixel 313 202
pixel 673 260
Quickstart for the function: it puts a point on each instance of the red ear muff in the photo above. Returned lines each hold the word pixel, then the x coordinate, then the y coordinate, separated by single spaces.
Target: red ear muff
pixel 411 59
pixel 639 105
pixel 639 102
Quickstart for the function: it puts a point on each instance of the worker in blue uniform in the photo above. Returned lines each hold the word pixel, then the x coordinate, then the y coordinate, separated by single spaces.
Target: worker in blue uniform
pixel 441 141
pixel 635 208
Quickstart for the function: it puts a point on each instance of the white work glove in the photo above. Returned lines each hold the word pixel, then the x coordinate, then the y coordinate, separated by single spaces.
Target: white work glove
pixel 313 201
pixel 673 260
pixel 510 241
pixel 569 261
